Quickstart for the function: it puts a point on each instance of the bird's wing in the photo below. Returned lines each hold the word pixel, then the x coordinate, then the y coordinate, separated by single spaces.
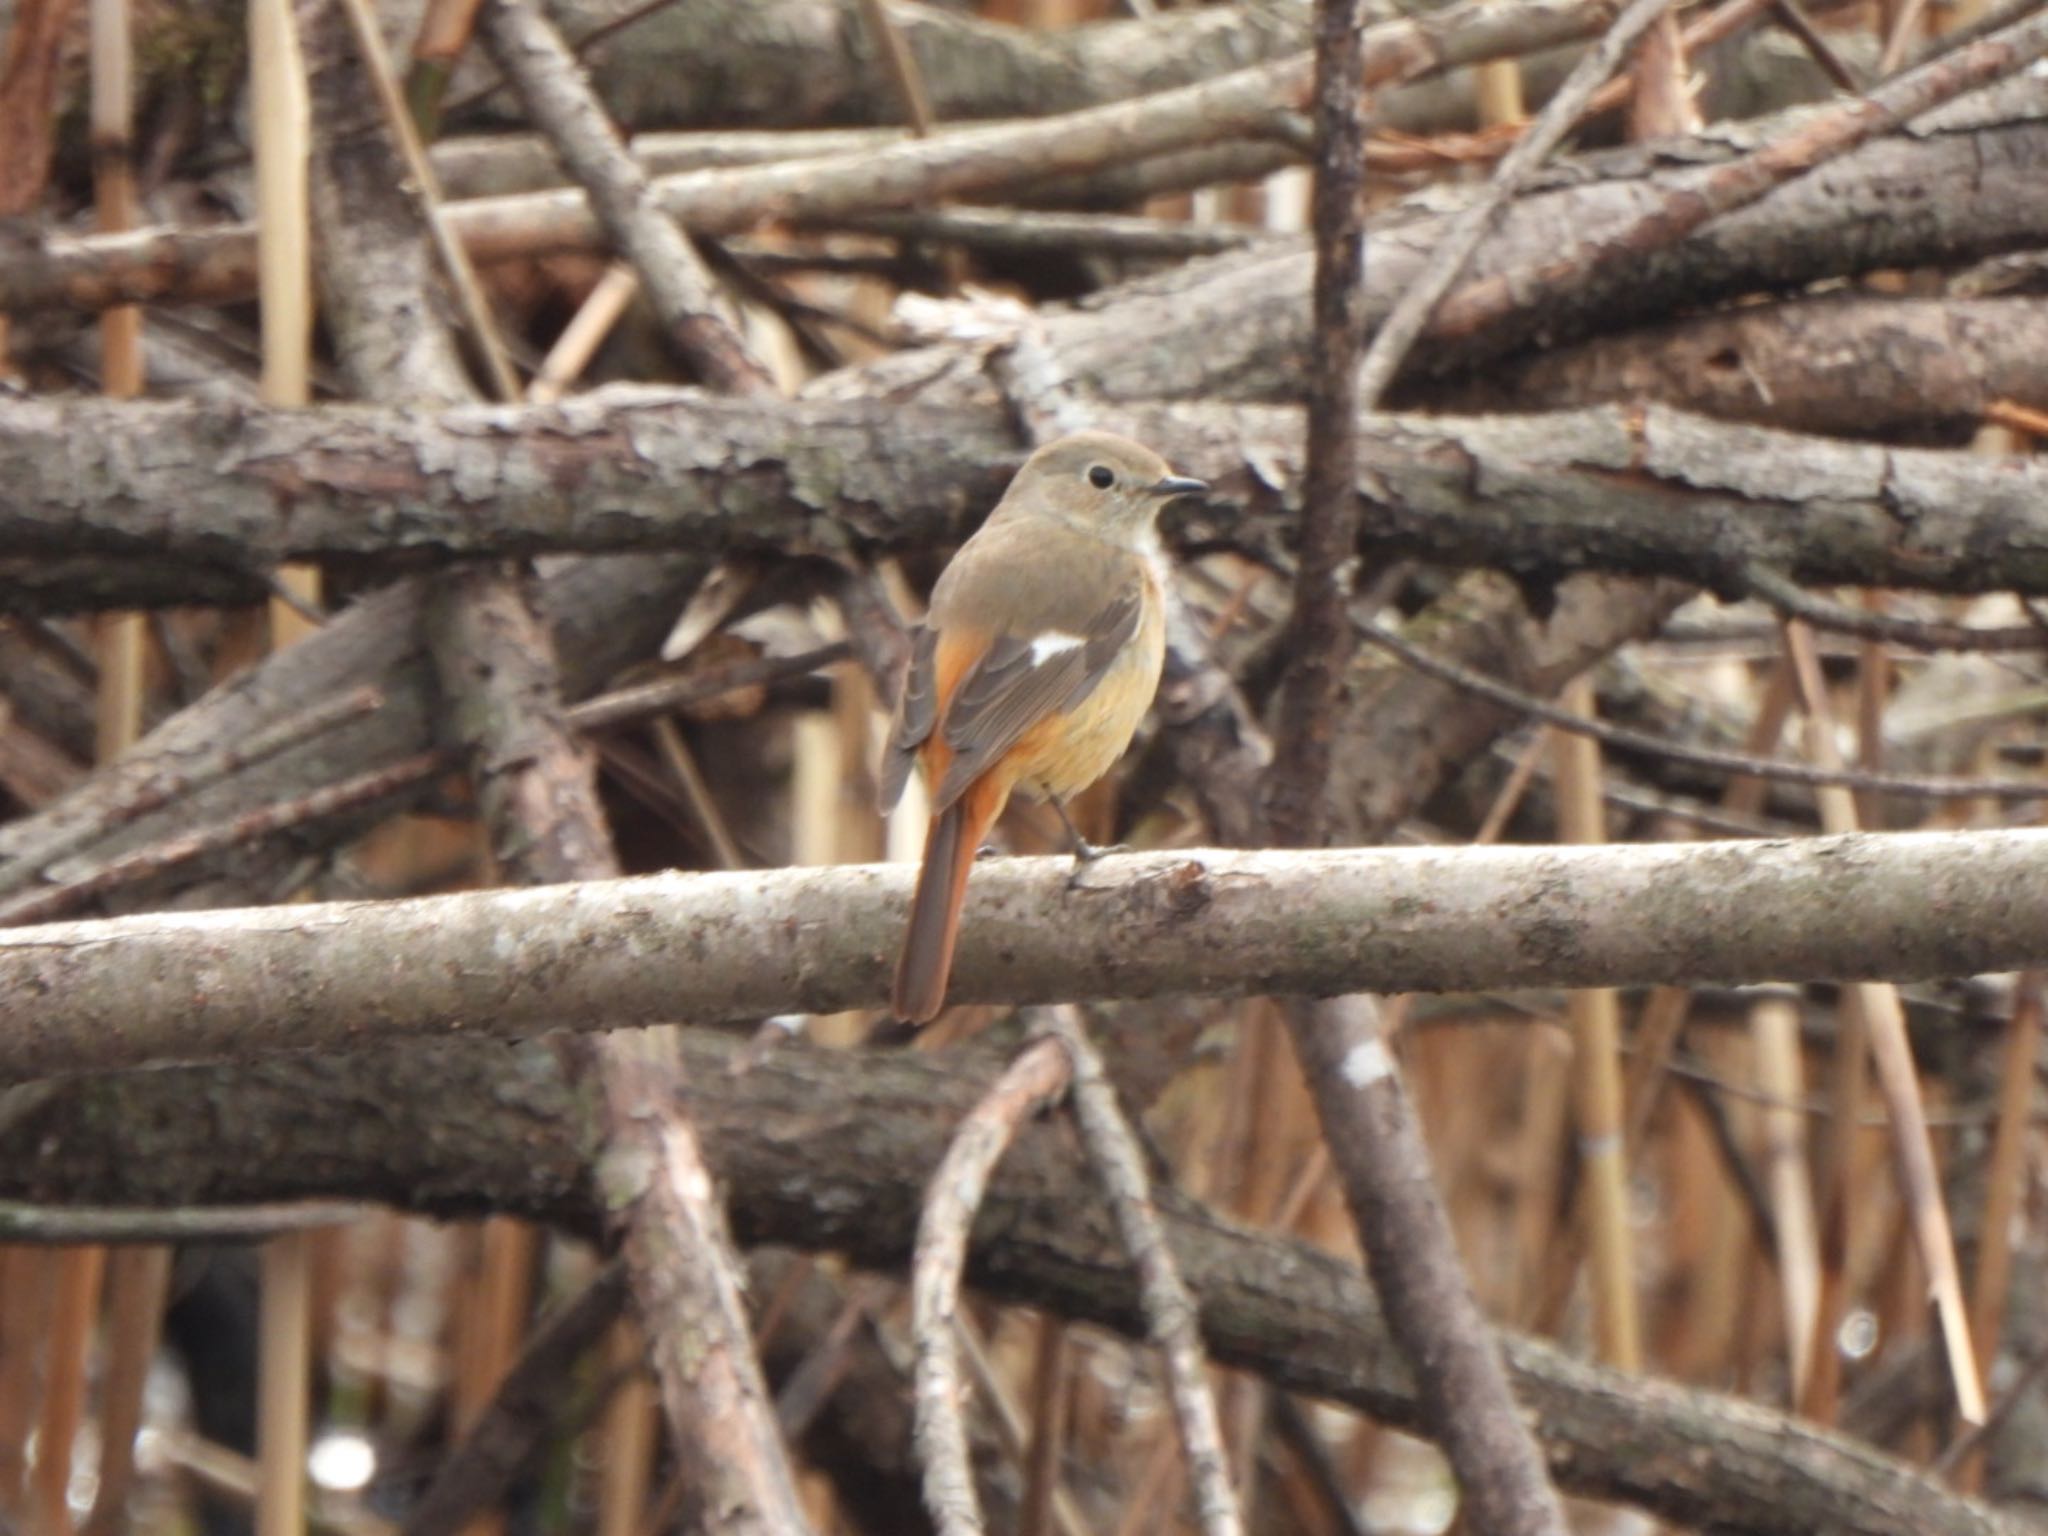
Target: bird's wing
pixel 915 714
pixel 1025 676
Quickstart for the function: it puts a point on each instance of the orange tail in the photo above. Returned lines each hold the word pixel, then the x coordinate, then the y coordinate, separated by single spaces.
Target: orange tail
pixel 926 963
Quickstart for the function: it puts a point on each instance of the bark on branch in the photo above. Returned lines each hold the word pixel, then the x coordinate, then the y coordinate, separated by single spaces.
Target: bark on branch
pixel 204 498
pixel 125 992
pixel 832 1151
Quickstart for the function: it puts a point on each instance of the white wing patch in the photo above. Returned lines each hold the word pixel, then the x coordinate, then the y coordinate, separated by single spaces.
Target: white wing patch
pixel 1053 643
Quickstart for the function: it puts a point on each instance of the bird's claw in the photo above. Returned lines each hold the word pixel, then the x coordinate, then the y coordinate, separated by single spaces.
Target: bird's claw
pixel 1085 855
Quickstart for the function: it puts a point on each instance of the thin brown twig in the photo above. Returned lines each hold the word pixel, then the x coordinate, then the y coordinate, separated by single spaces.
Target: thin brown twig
pixel 903 70
pixel 1171 1317
pixel 1037 1076
pixel 1411 313
pixel 351 794
pixel 1923 786
pixel 1794 601
pixel 160 790
pixel 1367 1119
pixel 1488 301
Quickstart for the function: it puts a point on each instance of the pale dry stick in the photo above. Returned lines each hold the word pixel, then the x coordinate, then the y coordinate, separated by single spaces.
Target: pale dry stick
pixel 1145 1497
pixel 2005 1183
pixel 1033 1080
pixel 586 331
pixel 24 1325
pixel 1906 27
pixel 1172 1320
pixel 426 189
pixel 1486 302
pixel 2020 418
pixel 1873 691
pixel 495 1279
pixel 281 126
pixel 1411 313
pixel 1892 1053
pixel 1971 1442
pixel 1595 1016
pixel 554 90
pixel 235 1476
pixel 76 1276
pixel 139 1276
pixel 1774 1027
pixel 284 1383
pixel 1839 1181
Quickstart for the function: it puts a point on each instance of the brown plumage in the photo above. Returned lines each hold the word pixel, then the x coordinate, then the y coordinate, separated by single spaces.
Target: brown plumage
pixel 1038 659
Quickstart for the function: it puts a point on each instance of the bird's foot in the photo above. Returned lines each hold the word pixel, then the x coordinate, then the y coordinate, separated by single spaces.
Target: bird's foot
pixel 1085 855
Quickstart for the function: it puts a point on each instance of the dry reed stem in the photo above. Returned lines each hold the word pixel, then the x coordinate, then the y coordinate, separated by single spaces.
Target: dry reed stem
pixel 1891 1052
pixel 1596 1070
pixel 1774 1026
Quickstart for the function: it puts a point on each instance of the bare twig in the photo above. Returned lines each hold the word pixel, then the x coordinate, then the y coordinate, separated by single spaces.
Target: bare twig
pixel 1170 1314
pixel 1489 300
pixel 1317 640
pixel 1794 601
pixel 1367 1119
pixel 1039 1075
pixel 1892 1053
pixel 1398 332
pixel 559 98
pixel 733 948
pixel 903 69
pixel 156 792
pixel 1924 786
pixel 399 122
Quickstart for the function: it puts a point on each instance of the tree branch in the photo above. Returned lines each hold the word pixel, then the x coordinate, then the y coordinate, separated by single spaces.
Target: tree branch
pixel 124 992
pixel 831 1150
pixel 1630 491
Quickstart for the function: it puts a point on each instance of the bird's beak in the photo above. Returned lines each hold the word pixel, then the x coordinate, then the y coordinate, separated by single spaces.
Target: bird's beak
pixel 1178 485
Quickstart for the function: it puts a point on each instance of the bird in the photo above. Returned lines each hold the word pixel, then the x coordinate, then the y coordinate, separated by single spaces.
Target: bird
pixel 1037 660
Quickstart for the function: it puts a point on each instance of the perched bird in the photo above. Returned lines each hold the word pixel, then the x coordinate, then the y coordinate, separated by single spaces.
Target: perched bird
pixel 1037 660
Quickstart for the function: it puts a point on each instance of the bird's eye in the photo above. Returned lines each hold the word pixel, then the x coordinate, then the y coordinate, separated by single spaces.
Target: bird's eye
pixel 1101 477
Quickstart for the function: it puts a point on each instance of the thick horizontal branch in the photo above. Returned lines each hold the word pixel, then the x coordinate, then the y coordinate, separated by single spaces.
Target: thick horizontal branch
pixel 229 493
pixel 1858 364
pixel 831 1150
pixel 713 948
